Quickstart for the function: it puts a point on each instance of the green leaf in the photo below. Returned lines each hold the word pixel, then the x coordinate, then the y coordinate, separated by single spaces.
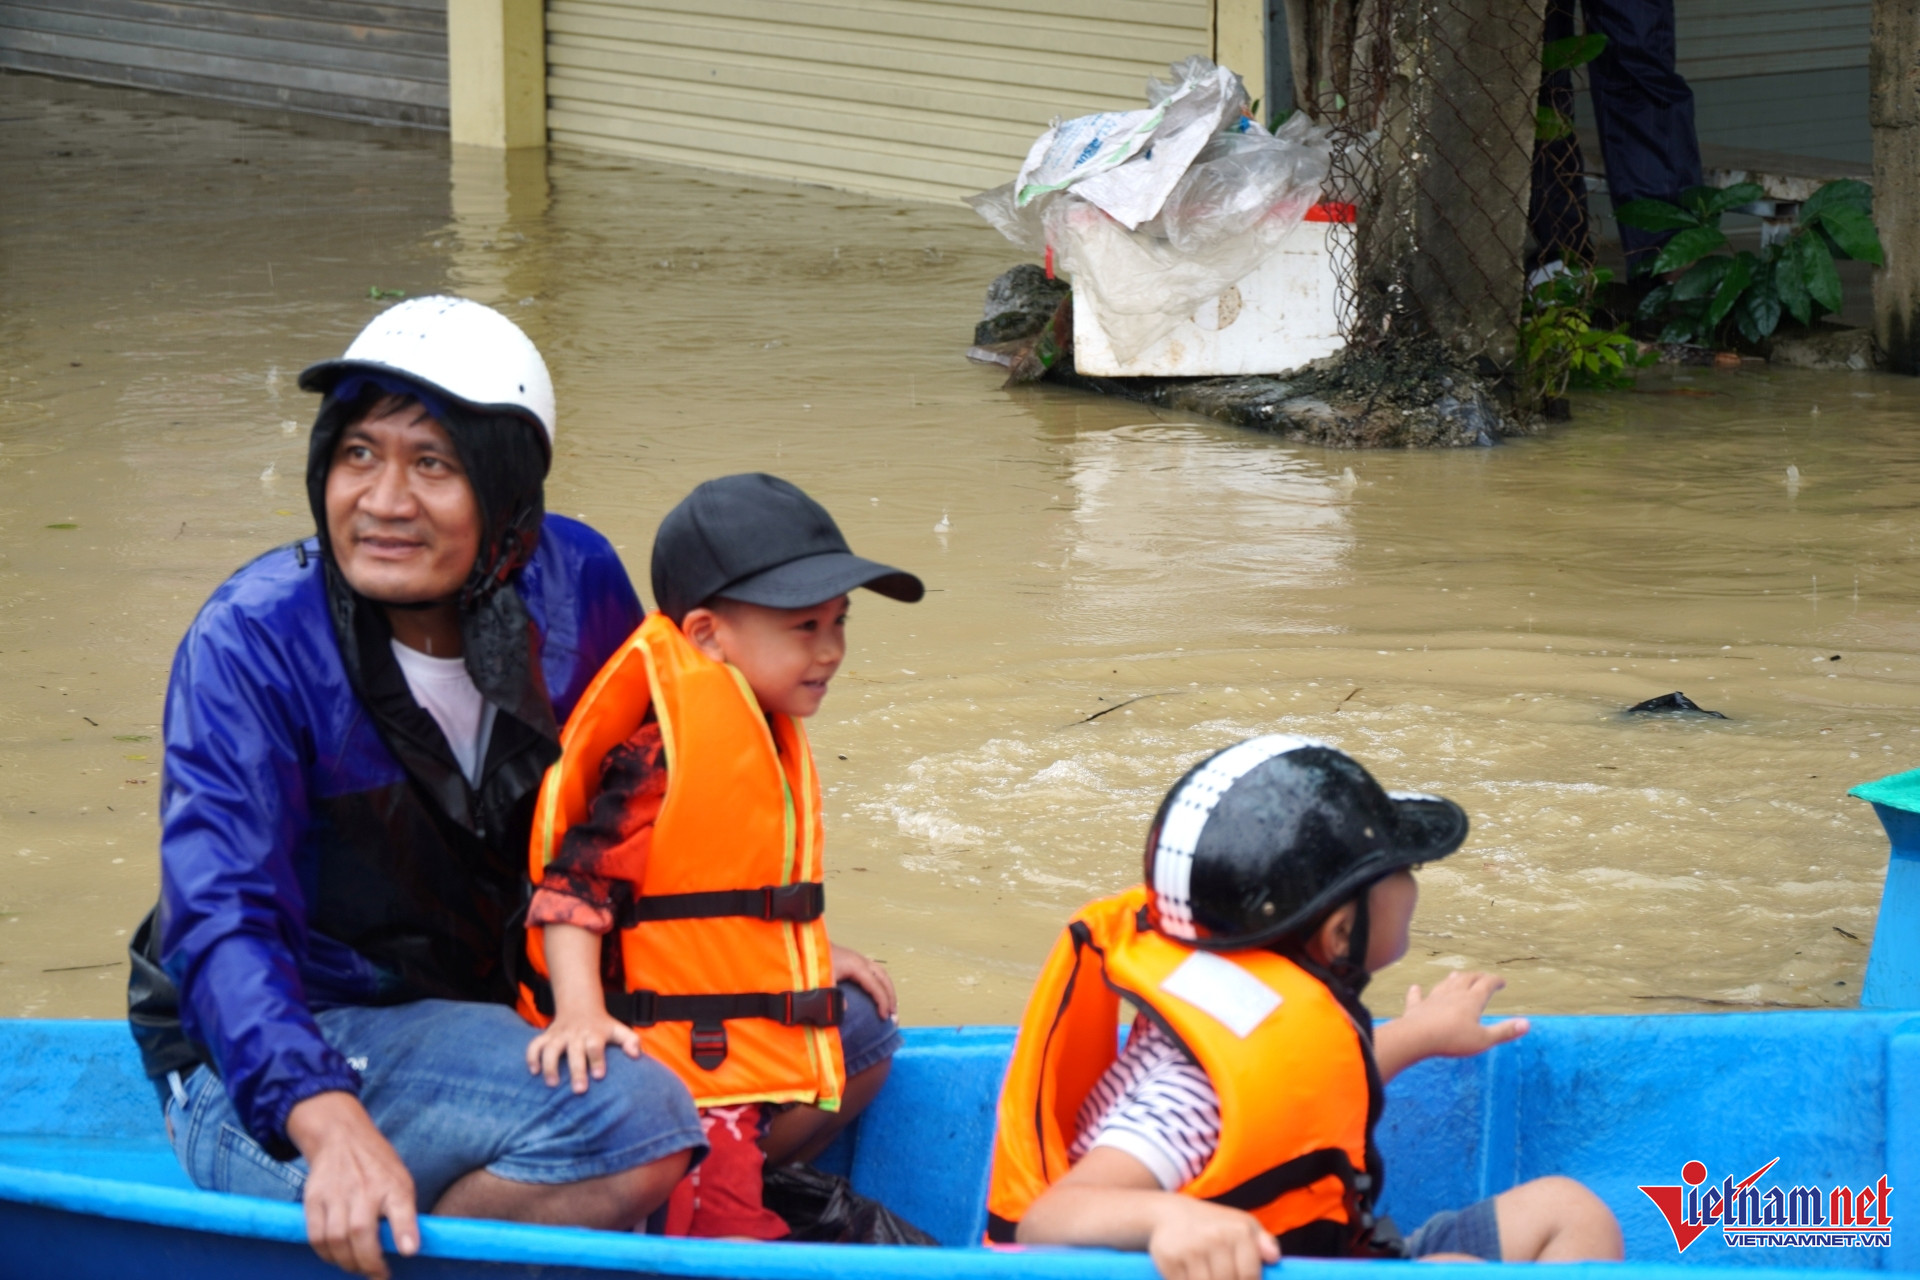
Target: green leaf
pixel 1702 279
pixel 1725 198
pixel 64 524
pixel 1574 51
pixel 1841 193
pixel 1686 248
pixel 1655 302
pixel 1759 312
pixel 1654 215
pixel 1790 282
pixel 1852 232
pixel 1550 125
pixel 1817 269
pixel 1679 329
pixel 1734 282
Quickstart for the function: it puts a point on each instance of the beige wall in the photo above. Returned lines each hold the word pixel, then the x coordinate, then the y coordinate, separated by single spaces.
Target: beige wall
pixel 922 98
pixel 496 86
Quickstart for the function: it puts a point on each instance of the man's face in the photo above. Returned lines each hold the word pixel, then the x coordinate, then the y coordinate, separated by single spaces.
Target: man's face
pixel 401 514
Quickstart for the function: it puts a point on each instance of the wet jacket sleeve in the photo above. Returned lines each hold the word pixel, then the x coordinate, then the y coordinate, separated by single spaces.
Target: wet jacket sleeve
pixel 577 887
pixel 233 807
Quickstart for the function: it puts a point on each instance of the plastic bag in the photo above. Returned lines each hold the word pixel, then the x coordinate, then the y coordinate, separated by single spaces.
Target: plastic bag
pixel 1207 100
pixel 824 1208
pixel 1153 236
pixel 1246 178
pixel 1232 208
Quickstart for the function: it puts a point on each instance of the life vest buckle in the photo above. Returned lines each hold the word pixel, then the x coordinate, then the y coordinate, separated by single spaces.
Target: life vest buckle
pixel 709 1045
pixel 800 903
pixel 820 1007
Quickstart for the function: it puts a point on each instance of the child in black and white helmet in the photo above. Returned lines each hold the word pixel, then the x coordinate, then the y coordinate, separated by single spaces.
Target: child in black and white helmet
pixel 1238 1123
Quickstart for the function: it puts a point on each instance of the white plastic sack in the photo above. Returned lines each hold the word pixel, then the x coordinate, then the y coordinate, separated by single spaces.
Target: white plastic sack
pixel 1074 150
pixel 1207 100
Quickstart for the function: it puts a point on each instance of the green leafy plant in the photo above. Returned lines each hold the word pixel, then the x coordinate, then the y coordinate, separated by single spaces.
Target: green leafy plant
pixel 378 294
pixel 1550 124
pixel 1795 276
pixel 1560 346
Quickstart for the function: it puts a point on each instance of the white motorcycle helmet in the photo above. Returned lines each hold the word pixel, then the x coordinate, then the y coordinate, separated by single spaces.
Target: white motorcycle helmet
pixel 455 348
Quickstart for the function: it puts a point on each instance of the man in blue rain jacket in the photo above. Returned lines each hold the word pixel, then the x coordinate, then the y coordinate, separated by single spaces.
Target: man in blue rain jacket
pixel 356 729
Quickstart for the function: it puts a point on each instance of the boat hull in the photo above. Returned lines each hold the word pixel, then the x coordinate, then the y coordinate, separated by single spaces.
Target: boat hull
pixel 88 1187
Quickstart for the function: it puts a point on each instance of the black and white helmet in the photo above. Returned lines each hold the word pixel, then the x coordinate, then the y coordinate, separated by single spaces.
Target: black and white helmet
pixel 1261 840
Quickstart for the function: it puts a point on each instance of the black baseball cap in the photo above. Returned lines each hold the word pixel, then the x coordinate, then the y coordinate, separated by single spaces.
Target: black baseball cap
pixel 758 539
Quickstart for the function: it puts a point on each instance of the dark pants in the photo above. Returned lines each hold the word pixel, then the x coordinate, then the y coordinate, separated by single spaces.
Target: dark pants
pixel 1643 112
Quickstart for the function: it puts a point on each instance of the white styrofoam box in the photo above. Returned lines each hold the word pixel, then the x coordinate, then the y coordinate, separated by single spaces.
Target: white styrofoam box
pixel 1277 317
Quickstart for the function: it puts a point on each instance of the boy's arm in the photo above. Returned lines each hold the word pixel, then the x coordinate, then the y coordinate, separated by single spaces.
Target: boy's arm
pixel 1111 1199
pixel 1444 1024
pixel 581 1028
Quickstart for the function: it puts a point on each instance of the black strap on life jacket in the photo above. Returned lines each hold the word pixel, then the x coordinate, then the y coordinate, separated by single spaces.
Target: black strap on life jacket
pixel 818 1007
pixel 799 903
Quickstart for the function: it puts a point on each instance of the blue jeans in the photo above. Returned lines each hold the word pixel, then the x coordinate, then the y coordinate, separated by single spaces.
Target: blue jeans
pixel 1473 1230
pixel 447 1083
pixel 866 1038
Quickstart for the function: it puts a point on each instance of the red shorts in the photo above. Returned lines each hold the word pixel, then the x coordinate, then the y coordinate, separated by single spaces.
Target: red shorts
pixel 722 1196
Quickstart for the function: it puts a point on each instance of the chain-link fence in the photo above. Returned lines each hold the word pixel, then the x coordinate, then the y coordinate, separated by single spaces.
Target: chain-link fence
pixel 1449 143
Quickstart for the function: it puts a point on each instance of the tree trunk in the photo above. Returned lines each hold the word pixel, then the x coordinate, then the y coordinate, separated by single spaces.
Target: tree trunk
pixel 1894 110
pixel 1435 105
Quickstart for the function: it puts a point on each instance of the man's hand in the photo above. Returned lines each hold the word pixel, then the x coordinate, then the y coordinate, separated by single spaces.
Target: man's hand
pixel 581 1037
pixel 354 1179
pixel 1195 1240
pixel 1445 1024
pixel 870 976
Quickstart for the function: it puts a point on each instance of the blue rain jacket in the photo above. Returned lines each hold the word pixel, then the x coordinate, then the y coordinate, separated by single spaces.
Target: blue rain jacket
pixel 303 864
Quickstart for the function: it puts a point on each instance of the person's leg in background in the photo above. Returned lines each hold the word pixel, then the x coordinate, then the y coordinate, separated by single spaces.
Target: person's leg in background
pixel 1643 111
pixel 798 1134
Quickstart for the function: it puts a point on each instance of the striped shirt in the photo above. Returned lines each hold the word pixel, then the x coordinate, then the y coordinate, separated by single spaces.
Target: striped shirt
pixel 1155 1104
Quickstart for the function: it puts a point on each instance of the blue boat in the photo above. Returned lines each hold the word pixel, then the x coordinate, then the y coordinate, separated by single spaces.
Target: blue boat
pixel 89 1188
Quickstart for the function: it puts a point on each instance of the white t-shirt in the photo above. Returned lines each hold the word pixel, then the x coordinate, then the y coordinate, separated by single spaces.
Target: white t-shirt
pixel 443 687
pixel 1155 1104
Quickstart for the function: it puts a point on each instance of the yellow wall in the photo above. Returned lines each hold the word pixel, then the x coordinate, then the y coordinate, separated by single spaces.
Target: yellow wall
pixel 496 90
pixel 924 98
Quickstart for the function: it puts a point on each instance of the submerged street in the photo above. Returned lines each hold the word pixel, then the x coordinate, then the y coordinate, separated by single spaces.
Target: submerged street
pixel 1469 622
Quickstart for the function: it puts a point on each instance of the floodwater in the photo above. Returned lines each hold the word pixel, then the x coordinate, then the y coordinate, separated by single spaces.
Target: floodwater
pixel 1467 622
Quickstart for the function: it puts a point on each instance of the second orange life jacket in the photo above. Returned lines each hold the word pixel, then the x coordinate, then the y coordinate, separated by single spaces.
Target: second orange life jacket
pixel 722 960
pixel 1298 1091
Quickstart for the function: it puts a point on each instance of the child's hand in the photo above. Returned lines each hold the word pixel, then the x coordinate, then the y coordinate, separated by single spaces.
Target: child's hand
pixel 850 966
pixel 1445 1024
pixel 581 1039
pixel 1195 1240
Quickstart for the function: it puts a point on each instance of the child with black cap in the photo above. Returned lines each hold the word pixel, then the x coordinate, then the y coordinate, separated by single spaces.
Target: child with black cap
pixel 677 852
pixel 1237 1124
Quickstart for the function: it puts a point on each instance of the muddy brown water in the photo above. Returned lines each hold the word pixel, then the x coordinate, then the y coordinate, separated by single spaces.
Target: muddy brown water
pixel 1467 622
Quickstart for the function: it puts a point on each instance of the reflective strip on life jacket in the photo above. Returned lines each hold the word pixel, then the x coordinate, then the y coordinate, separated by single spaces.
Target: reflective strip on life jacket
pixel 722 957
pixel 1298 1094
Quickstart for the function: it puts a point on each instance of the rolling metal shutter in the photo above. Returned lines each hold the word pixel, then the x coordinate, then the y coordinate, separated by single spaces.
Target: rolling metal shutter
pixel 382 60
pixel 926 98
pixel 1779 75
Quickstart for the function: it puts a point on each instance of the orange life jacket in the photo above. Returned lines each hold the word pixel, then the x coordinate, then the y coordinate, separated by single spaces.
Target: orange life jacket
pixel 721 960
pixel 1298 1091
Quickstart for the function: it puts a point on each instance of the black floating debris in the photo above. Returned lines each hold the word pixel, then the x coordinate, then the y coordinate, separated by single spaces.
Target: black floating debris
pixel 1669 704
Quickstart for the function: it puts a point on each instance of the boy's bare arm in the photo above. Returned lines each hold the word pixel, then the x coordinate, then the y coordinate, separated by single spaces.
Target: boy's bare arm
pixel 581 1028
pixel 1113 1200
pixel 1444 1024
